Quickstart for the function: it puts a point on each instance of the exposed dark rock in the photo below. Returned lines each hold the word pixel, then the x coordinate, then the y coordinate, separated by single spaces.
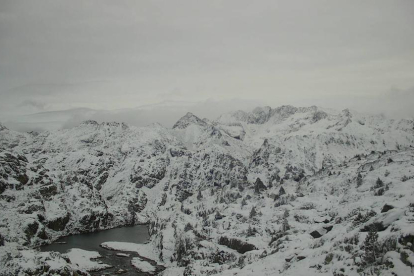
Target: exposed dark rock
pixel 32 208
pixel 238 245
pixel 183 195
pixel 42 234
pixel 386 208
pixel 92 221
pixel 319 115
pixel 31 229
pixel 328 228
pixel 218 216
pixel 378 226
pixel 41 217
pixel 23 179
pixel 177 152
pixel 259 186
pixel 315 234
pixel 58 224
pixel 7 198
pixel 101 181
pixel 289 259
pixel 137 204
pixel 282 191
pixel 407 240
pixel 2 187
pixel 221 257
pixel 90 122
pixel 151 179
pixel 48 190
pixel 14 186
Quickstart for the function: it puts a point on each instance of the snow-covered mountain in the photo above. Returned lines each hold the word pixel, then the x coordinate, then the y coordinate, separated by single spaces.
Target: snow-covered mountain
pixel 288 191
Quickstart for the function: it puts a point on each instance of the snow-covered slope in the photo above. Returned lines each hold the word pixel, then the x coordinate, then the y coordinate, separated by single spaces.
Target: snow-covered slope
pixel 311 138
pixel 263 192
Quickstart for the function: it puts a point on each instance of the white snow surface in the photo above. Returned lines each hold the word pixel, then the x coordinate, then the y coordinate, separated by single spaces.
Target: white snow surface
pixel 85 259
pixel 144 250
pixel 142 265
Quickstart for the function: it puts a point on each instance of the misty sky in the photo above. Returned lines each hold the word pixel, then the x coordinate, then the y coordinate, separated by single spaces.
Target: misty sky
pixel 188 55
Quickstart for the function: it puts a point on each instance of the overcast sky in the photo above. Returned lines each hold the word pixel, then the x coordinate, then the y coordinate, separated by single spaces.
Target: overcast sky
pixel 110 55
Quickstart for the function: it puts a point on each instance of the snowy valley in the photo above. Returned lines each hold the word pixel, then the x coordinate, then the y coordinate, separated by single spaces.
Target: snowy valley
pixel 275 191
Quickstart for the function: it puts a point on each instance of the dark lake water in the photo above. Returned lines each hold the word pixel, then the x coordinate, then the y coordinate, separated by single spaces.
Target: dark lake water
pixel 91 242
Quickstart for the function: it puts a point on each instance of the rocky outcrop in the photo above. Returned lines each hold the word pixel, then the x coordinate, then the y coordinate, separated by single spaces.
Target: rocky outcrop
pixel 259 187
pixel 238 245
pixel 386 208
pixel 59 223
pixel 2 127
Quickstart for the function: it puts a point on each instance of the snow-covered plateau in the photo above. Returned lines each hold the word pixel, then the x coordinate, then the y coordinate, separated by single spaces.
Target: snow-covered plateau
pixel 283 191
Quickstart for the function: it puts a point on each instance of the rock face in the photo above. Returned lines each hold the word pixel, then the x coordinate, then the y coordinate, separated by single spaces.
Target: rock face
pixel 306 172
pixel 59 223
pixel 239 246
pixel 386 208
pixel 259 186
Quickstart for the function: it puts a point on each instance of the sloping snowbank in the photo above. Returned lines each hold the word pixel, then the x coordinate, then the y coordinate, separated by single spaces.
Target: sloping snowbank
pixel 85 259
pixel 142 266
pixel 144 250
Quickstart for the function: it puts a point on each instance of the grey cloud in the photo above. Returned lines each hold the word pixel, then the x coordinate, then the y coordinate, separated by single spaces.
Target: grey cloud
pixel 396 103
pixel 165 113
pixel 32 103
pixel 56 52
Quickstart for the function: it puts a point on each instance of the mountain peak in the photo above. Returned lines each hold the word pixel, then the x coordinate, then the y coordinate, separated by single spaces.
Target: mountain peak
pixel 2 127
pixel 187 120
pixel 90 122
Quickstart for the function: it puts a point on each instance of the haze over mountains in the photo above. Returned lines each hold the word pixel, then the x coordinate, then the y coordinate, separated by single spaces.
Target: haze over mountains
pixel 286 190
pixel 36 117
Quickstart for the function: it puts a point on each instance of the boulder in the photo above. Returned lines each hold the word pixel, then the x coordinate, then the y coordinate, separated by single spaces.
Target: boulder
pixel 48 190
pixel 238 245
pixel 383 221
pixel 315 234
pixel 328 228
pixel 300 258
pixel 386 208
pixel 321 231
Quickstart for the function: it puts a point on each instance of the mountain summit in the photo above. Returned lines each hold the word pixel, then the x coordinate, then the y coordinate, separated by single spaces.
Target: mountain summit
pixel 2 127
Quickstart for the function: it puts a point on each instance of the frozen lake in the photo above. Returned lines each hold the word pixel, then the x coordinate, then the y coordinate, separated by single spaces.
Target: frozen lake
pixel 91 242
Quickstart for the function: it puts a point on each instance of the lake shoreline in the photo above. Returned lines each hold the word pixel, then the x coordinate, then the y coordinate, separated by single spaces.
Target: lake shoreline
pixel 91 243
pixel 51 241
